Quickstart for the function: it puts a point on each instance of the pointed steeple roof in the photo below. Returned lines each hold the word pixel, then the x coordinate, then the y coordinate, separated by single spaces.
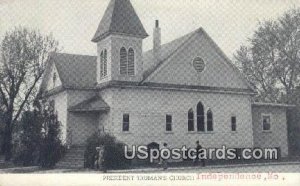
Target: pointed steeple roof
pixel 120 18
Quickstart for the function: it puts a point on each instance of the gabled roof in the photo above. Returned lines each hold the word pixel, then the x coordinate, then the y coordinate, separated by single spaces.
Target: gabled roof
pixel 94 104
pixel 75 71
pixel 79 71
pixel 120 18
pixel 167 50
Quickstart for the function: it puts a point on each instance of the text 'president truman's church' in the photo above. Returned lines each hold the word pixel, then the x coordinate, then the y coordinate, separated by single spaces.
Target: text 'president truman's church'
pixel 178 93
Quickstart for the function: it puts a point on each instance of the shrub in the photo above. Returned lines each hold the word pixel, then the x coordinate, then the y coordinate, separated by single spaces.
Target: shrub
pixel 52 149
pixel 114 157
pixel 37 140
pixel 26 147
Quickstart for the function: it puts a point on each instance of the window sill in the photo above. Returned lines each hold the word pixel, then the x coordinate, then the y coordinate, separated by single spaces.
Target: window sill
pixel 169 132
pixel 128 76
pixel 206 132
pixel 266 131
pixel 233 132
pixel 125 132
pixel 200 132
pixel 102 78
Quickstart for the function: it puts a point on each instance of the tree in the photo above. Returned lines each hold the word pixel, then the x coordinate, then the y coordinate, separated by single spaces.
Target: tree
pixel 271 61
pixel 23 56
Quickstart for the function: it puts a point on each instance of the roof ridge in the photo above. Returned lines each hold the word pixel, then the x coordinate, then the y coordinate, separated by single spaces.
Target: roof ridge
pixel 227 60
pixel 177 39
pixel 112 14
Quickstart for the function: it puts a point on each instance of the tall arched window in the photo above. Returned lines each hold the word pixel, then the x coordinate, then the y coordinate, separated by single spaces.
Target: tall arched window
pixel 191 120
pixel 131 62
pixel 105 63
pixel 123 61
pixel 200 117
pixel 210 121
pixel 101 64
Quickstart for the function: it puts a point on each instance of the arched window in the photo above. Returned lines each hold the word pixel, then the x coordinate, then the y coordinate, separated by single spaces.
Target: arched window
pixel 131 62
pixel 123 61
pixel 200 117
pixel 210 121
pixel 105 63
pixel 101 64
pixel 191 120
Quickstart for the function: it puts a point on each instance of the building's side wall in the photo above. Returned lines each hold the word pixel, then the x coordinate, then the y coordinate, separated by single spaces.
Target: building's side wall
pixel 61 110
pixel 105 119
pixel 148 108
pixel 277 136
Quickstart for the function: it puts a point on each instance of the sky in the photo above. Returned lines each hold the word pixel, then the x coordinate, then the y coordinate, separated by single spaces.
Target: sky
pixel 73 22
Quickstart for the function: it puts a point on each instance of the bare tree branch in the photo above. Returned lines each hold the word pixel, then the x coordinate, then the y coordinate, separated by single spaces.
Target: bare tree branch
pixel 24 54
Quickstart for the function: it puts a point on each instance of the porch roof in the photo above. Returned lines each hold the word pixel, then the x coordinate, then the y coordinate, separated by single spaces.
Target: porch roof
pixel 94 104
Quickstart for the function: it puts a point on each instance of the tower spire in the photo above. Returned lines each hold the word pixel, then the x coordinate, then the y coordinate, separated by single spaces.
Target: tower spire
pixel 120 18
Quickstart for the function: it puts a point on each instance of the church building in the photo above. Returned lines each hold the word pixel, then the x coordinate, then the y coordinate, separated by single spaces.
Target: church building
pixel 177 93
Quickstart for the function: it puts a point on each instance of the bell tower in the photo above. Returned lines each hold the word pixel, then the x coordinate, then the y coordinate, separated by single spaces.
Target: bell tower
pixel 119 40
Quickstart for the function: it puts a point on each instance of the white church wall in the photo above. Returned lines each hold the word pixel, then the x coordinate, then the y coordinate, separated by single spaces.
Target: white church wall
pixel 60 100
pixel 148 108
pixel 277 136
pixel 105 121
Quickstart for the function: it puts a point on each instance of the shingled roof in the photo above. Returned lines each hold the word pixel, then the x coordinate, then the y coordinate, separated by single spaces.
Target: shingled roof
pixel 167 50
pixel 120 18
pixel 79 71
pixel 95 104
pixel 76 71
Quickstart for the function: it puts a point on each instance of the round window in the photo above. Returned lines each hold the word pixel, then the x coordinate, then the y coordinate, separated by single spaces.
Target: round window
pixel 199 64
